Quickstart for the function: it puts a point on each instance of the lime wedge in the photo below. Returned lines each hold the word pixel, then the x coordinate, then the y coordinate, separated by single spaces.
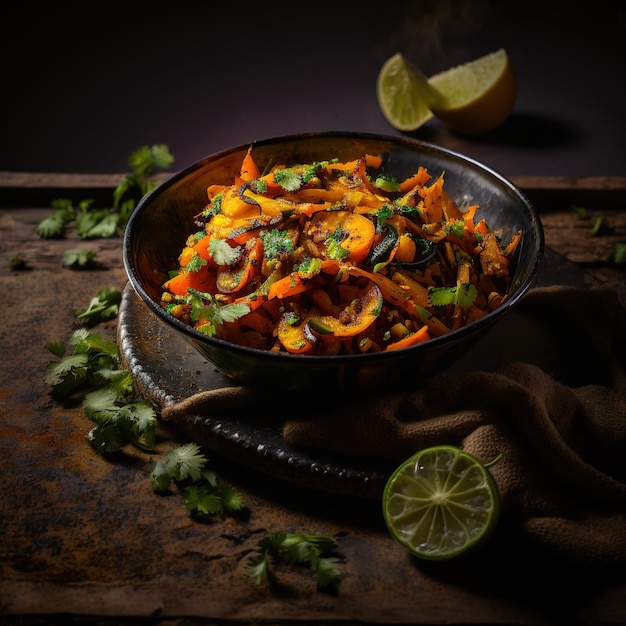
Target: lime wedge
pixel 404 95
pixel 477 96
pixel 440 503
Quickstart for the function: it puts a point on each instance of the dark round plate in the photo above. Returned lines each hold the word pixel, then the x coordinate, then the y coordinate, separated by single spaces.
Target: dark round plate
pixel 166 369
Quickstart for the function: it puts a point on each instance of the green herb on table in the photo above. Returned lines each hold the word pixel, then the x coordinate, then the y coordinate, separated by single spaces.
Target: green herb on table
pixel 95 223
pixel 92 375
pixel 53 227
pixel 600 227
pixel 18 263
pixel 581 211
pixel 311 550
pixel 79 259
pixel 203 496
pixel 617 254
pixel 103 306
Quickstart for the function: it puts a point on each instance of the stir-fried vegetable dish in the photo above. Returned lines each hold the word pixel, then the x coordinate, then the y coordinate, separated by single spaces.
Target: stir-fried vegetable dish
pixel 336 258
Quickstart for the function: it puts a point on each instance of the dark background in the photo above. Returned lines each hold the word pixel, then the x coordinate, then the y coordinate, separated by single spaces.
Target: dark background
pixel 82 89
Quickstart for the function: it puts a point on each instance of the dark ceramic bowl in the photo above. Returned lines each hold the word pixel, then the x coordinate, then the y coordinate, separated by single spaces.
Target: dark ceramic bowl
pixel 161 223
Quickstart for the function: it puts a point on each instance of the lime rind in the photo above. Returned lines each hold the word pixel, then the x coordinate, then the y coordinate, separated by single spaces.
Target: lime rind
pixel 440 503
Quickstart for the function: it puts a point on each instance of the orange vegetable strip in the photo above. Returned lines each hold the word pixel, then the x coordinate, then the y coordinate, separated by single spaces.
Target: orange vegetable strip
pixel 418 179
pixel 406 250
pixel 201 280
pixel 289 285
pixel 249 169
pixel 433 205
pixel 418 293
pixel 392 292
pixel 508 250
pixel 257 321
pixel 468 217
pixel 410 340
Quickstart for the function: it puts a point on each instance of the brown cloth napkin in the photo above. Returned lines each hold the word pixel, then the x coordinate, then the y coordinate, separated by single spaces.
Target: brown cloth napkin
pixel 557 416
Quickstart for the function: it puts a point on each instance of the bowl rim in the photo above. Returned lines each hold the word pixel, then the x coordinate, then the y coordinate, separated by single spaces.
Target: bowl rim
pixel 314 359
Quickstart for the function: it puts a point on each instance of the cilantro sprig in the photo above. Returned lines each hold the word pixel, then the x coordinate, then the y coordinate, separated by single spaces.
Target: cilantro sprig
pixel 203 495
pixel 103 306
pixel 92 375
pixel 92 222
pixel 464 295
pixel 311 550
pixel 208 309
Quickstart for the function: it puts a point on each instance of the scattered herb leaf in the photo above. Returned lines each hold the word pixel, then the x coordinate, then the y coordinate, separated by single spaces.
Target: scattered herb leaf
pixel 600 227
pixel 580 211
pixel 295 548
pixel 91 222
pixel 79 259
pixel 617 254
pixel 186 466
pixel 102 307
pixel 18 263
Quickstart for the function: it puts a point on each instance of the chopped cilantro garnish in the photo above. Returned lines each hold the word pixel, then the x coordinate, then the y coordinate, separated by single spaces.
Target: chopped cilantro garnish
pixel 195 263
pixel 333 245
pixel 288 179
pixel 464 295
pixel 276 242
pixel 223 253
pixel 455 227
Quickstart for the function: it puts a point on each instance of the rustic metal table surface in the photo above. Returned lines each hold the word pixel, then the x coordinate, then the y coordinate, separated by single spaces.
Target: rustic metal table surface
pixel 84 539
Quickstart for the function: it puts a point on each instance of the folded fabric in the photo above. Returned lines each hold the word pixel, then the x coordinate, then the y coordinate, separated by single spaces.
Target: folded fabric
pixel 557 418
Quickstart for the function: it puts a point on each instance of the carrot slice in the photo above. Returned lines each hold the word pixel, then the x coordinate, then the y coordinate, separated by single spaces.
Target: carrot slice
pixel 358 230
pixel 249 169
pixel 418 179
pixel 289 285
pixel 202 280
pixel 410 340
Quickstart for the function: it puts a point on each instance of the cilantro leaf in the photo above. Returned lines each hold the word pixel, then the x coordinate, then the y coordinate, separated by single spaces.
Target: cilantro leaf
pixel 118 425
pixel 79 259
pixel 98 224
pixel 222 253
pixel 202 498
pixel 288 179
pixel 186 466
pixel 103 306
pixel 464 295
pixel 51 227
pixel 295 548
pixel 146 160
pixel 617 254
pixel 276 242
pixel 195 263
pixel 178 464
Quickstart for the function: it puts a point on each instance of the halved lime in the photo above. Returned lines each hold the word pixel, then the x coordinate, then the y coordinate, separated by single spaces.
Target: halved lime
pixel 404 95
pixel 478 96
pixel 440 503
